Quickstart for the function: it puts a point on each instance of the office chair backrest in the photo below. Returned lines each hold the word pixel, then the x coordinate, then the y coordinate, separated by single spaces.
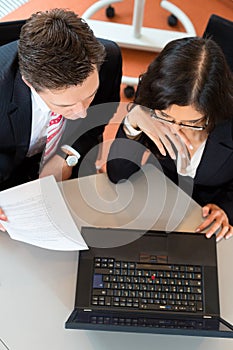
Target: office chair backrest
pixel 221 31
pixel 10 31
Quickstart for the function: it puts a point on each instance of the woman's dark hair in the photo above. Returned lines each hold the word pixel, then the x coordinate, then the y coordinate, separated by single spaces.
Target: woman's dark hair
pixel 57 49
pixel 189 71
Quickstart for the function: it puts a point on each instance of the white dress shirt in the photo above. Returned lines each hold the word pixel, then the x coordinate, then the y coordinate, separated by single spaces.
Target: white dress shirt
pixel 40 122
pixel 191 166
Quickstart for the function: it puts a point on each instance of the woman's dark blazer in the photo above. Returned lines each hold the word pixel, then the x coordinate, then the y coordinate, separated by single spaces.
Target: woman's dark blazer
pixel 213 182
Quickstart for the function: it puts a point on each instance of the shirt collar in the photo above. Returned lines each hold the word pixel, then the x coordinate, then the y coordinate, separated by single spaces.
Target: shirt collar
pixel 39 102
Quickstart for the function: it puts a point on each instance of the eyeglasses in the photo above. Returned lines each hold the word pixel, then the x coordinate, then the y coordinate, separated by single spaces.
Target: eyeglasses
pixel 190 124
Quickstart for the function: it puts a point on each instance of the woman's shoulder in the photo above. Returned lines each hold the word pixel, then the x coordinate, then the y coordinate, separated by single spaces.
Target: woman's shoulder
pixel 223 131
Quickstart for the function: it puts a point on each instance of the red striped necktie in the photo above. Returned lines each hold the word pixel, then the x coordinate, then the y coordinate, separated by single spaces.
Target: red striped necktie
pixel 54 133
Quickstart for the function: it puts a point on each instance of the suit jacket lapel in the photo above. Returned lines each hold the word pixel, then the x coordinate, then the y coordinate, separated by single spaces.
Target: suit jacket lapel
pixel 20 113
pixel 219 147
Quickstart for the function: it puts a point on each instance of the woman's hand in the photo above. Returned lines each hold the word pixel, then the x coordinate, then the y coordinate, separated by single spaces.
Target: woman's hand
pixel 162 134
pixel 3 218
pixel 218 218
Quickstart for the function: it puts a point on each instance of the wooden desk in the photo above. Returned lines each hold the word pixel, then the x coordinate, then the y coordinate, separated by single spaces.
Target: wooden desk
pixel 37 286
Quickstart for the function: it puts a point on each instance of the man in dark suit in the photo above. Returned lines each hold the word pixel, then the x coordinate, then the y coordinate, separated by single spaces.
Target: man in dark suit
pixel 57 66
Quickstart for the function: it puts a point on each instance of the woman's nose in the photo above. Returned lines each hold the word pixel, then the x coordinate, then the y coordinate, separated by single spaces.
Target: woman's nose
pixel 176 127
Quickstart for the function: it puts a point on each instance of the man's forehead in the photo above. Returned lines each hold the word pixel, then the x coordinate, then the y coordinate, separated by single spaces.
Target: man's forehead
pixel 71 100
pixel 70 95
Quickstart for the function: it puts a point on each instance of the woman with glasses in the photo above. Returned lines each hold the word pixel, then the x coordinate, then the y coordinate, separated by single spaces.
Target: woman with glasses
pixel 183 113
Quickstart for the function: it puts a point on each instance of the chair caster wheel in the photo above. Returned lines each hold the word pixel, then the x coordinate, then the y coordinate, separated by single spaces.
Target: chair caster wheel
pixel 110 12
pixel 129 91
pixel 172 21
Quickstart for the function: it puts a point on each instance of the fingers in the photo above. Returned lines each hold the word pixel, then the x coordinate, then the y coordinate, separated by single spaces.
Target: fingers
pixel 216 226
pixel 163 144
pixel 226 232
pixel 165 136
pixel 171 138
pixel 205 210
pixel 229 232
pixel 2 228
pixel 179 145
pixel 185 139
pixel 218 220
pixel 3 218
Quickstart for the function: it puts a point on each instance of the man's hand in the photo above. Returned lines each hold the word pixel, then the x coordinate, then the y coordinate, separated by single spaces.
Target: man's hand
pixel 219 220
pixel 58 167
pixel 3 218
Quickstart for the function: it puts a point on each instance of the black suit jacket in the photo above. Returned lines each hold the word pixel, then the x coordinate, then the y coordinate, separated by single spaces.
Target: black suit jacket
pixel 16 114
pixel 213 182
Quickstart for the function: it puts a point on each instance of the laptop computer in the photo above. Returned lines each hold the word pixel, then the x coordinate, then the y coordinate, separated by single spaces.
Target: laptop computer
pixel 158 282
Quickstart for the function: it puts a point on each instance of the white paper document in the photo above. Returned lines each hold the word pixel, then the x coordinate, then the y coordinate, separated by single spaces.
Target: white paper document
pixel 37 214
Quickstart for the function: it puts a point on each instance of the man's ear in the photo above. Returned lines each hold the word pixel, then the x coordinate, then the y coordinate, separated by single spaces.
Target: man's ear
pixel 26 82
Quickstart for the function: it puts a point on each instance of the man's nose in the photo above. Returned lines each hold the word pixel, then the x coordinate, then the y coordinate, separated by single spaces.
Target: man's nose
pixel 79 108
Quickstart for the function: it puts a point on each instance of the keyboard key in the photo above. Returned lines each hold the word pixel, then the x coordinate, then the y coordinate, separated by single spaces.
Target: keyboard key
pixel 162 287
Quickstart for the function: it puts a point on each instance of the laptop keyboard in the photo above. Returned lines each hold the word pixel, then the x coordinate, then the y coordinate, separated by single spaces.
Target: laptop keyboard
pixel 143 286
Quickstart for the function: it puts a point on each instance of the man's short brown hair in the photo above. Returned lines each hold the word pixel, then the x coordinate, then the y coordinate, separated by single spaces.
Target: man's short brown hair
pixel 58 49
